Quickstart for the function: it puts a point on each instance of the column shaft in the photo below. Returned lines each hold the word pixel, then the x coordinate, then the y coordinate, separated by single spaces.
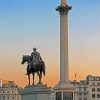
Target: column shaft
pixel 64 75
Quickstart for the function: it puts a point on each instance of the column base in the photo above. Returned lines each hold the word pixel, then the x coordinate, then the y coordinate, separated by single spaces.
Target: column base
pixel 64 91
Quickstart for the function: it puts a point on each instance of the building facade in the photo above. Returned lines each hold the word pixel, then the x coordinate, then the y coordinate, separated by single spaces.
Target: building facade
pixel 88 89
pixel 93 87
pixel 81 92
pixel 9 91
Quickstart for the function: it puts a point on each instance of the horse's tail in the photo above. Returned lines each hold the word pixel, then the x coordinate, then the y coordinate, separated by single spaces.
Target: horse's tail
pixel 43 66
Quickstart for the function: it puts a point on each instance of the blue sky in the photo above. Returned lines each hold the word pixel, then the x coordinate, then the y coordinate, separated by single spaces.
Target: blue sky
pixel 20 18
pixel 25 24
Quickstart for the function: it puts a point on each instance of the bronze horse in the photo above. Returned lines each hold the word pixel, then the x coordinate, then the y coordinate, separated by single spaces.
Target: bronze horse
pixel 32 69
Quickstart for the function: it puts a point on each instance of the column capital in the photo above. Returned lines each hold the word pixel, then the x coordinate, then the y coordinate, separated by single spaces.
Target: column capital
pixel 63 9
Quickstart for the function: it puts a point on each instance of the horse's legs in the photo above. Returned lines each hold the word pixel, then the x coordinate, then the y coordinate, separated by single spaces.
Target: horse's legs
pixel 33 78
pixel 29 79
pixel 40 76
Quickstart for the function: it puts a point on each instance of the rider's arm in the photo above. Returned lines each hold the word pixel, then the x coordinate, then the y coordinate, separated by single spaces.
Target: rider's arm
pixel 31 56
pixel 40 57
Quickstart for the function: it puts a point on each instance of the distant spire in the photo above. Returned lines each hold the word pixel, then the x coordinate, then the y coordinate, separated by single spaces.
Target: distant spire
pixel 75 76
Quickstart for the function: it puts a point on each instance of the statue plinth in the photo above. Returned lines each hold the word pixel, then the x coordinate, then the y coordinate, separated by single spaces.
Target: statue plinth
pixel 36 92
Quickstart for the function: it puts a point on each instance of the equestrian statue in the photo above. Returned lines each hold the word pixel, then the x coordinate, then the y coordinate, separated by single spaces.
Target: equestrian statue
pixel 35 64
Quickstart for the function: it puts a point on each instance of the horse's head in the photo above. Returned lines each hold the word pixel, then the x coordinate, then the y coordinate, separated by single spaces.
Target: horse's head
pixel 25 58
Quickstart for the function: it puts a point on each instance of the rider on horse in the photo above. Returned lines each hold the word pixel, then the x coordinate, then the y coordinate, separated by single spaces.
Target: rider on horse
pixel 35 58
pixel 35 64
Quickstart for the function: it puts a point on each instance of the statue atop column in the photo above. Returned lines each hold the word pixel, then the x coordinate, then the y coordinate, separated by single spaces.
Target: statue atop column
pixel 35 64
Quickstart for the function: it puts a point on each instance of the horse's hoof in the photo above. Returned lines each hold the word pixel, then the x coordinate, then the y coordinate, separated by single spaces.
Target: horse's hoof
pixel 39 82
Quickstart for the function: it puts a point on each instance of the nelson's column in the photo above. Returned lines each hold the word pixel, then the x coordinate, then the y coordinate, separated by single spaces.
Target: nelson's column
pixel 64 90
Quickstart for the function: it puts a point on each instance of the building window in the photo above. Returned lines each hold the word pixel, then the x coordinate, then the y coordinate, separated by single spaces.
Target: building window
pixel 93 89
pixel 80 93
pixel 13 97
pixel 12 91
pixel 84 89
pixel 98 89
pixel 97 79
pixel 93 78
pixel 79 89
pixel 93 95
pixel 3 98
pixel 85 98
pixel 98 95
pixel 85 94
pixel 98 83
pixel 93 83
pixel 80 98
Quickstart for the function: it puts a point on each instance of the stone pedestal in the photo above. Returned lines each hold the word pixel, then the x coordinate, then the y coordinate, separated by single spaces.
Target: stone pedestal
pixel 36 92
pixel 64 91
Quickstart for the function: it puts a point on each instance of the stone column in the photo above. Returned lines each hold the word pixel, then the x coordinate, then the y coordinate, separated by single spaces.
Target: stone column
pixel 64 90
pixel 64 70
